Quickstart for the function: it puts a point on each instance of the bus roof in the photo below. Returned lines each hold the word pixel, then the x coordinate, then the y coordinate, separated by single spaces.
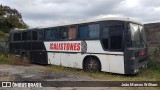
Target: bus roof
pixel 89 21
pixel 96 20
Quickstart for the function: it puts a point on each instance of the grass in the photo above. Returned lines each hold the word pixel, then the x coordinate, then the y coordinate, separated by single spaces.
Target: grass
pixel 13 60
pixel 152 73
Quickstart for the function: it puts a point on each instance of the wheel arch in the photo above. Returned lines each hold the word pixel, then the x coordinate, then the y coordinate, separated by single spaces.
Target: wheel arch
pixel 85 58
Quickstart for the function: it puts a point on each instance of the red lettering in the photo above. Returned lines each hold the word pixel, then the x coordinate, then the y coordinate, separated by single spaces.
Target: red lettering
pixel 64 46
pixel 61 46
pixel 55 46
pixel 51 46
pixel 75 45
pixel 78 46
pixel 68 44
pixel 71 46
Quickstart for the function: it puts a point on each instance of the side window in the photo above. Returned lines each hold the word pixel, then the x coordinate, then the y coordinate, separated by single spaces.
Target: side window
pixel 17 37
pixel 34 35
pixel 26 36
pixel 54 34
pixel 51 34
pixel 105 37
pixel 48 34
pixel 72 32
pixel 116 35
pixel 37 35
pixel 94 30
pixel 83 32
pixel 40 35
pixel 63 33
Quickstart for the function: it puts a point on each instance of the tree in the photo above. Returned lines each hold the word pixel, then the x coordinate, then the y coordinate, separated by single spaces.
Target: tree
pixel 10 19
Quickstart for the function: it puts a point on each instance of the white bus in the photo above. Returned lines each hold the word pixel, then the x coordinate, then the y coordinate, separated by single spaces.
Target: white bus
pixel 116 45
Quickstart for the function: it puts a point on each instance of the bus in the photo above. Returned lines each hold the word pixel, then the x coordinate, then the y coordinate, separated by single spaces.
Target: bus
pixel 116 45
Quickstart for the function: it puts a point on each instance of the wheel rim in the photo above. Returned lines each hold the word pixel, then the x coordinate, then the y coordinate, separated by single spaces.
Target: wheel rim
pixel 92 64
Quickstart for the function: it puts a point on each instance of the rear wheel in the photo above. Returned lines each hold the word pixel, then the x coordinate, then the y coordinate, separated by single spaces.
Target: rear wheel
pixel 92 64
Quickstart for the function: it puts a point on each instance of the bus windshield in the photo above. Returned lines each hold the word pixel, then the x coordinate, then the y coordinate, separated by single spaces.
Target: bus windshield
pixel 137 36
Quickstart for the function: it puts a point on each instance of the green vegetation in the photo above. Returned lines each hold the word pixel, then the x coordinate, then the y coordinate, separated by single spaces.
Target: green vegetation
pixel 13 60
pixel 3 59
pixel 10 19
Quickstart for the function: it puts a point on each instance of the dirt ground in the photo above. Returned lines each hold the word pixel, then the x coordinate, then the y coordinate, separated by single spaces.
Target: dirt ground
pixel 36 73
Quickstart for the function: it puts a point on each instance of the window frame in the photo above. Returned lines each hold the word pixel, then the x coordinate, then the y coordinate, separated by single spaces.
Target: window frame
pixel 50 29
pixel 109 38
pixel 90 23
pixel 27 31
pixel 101 37
pixel 76 30
pixel 14 36
pixel 40 30
pixel 60 33
pixel 121 49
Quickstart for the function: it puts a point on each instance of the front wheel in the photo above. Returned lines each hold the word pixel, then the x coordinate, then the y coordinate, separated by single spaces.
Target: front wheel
pixel 92 64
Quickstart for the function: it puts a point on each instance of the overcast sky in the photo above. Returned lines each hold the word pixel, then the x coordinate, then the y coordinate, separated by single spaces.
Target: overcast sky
pixel 50 12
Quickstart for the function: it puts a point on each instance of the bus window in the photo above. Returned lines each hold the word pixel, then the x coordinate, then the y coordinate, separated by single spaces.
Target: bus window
pixel 72 32
pixel 47 34
pixel 37 35
pixel 63 33
pixel 34 35
pixel 51 34
pixel 17 37
pixel 40 35
pixel 26 36
pixel 105 37
pixel 94 30
pixel 116 34
pixel 83 32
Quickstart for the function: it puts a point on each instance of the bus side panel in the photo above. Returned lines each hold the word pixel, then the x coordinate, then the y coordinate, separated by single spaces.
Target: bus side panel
pixel 94 46
pixel 54 58
pixel 15 48
pixel 26 45
pixel 104 60
pixel 72 59
pixel 38 57
pixel 117 64
pixel 66 59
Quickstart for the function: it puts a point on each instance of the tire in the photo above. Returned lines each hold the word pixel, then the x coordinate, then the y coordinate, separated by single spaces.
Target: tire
pixel 92 64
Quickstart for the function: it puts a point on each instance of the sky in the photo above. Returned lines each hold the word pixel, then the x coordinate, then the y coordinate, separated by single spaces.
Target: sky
pixel 37 13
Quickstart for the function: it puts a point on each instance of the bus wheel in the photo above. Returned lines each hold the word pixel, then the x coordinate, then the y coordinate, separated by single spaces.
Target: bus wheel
pixel 92 64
